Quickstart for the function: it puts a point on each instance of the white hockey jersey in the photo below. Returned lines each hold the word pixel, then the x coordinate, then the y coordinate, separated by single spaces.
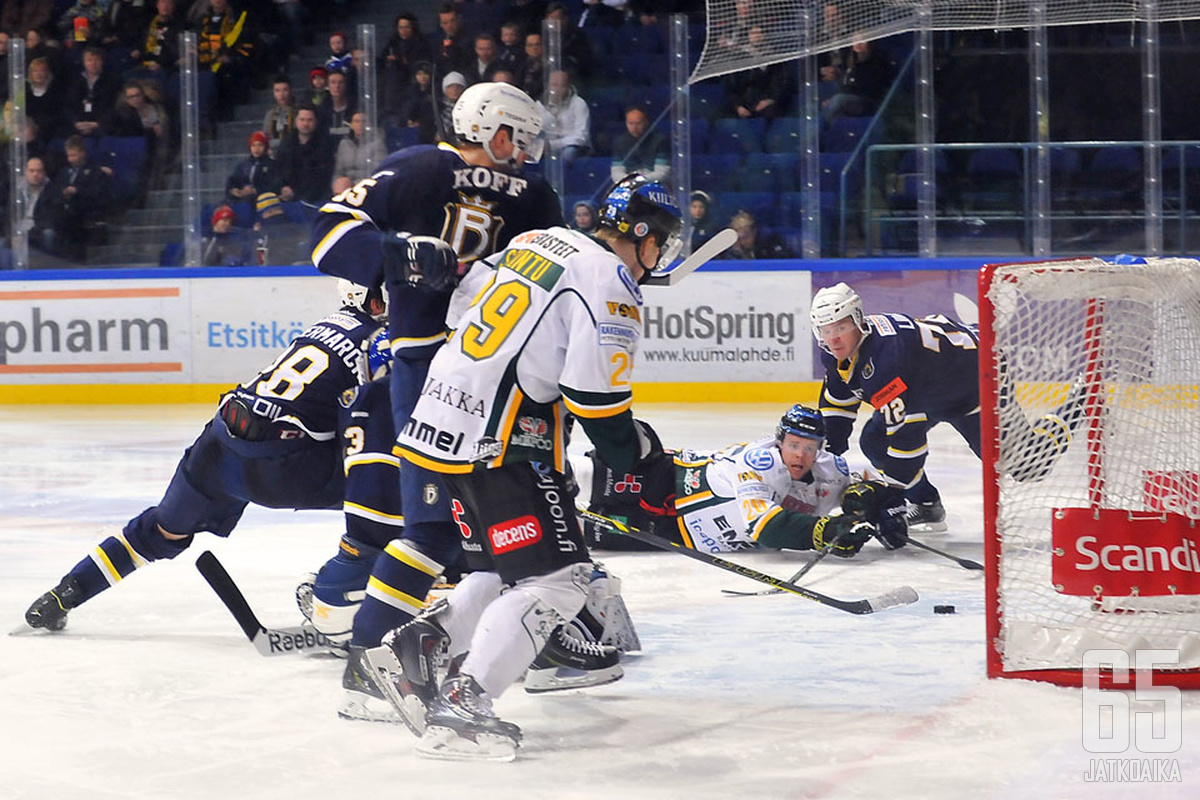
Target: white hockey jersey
pixel 554 329
pixel 725 499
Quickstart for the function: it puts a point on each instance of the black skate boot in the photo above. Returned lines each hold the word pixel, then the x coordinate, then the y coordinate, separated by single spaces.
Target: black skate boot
pixel 417 649
pixel 363 697
pixel 572 659
pixel 461 725
pixel 50 610
pixel 926 517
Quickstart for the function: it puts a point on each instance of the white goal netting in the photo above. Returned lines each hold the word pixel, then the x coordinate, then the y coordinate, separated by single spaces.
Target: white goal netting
pixel 794 28
pixel 1094 521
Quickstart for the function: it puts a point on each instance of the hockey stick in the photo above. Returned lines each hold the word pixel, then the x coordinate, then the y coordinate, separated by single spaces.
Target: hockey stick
pixel 803 571
pixel 965 563
pixel 901 596
pixel 267 641
pixel 720 242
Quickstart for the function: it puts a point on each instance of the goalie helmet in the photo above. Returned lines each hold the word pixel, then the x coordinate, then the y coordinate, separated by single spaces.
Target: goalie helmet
pixel 638 207
pixel 835 303
pixel 800 420
pixel 358 296
pixel 486 107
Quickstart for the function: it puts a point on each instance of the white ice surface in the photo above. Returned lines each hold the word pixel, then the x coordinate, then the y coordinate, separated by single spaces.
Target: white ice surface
pixel 153 692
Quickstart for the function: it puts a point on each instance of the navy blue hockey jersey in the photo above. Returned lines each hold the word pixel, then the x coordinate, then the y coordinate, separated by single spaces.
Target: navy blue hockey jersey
pixel 908 369
pixel 431 191
pixel 302 387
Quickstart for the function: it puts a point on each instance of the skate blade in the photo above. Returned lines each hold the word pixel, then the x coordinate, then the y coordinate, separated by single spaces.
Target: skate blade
pixel 446 745
pixel 24 629
pixel 928 527
pixel 364 708
pixel 558 679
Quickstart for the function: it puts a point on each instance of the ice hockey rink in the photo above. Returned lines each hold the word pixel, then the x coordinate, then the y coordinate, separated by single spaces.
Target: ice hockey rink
pixel 153 691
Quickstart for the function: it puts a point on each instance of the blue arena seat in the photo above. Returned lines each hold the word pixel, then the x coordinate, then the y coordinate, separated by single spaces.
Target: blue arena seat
pixel 844 134
pixel 587 175
pixel 769 172
pixel 736 135
pixel 127 157
pixel 762 205
pixel 715 174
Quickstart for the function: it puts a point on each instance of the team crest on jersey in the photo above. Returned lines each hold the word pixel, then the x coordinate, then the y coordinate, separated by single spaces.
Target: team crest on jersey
pixel 488 448
pixel 630 283
pixel 429 495
pixel 691 480
pixel 348 397
pixel 760 458
pixel 533 433
pixel 868 370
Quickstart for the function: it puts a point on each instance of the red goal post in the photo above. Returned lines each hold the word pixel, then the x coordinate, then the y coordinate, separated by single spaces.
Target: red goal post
pixel 1090 418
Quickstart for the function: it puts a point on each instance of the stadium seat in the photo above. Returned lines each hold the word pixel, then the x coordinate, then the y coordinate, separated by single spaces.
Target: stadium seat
pixel 633 37
pixel 587 175
pixel 715 174
pixel 707 99
pixel 601 37
pixel 735 135
pixel 399 137
pixel 762 205
pixel 1113 180
pixel 784 135
pixel 903 186
pixel 844 134
pixel 769 172
pixel 994 180
pixel 127 157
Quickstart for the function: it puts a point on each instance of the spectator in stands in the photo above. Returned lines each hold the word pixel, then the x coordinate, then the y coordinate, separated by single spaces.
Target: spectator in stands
pixel 640 149
pixel 704 224
pixel 37 47
pixel 43 208
pixel 92 95
pixel 225 46
pixel 4 44
pixel 306 160
pixel 583 217
pixel 484 64
pixel 83 23
pixel 280 119
pixel 318 88
pixel 451 46
pixel 759 91
pixel 510 53
pixel 863 81
pixel 278 239
pixel 86 193
pixel 505 76
pixel 602 12
pixel 338 59
pixel 337 112
pixel 750 244
pixel 576 51
pixel 527 13
pixel 125 23
pixel 35 147
pixel 530 78
pixel 403 51
pixel 417 107
pixel 140 113
pixel 226 247
pixel 256 174
pixel 159 48
pixel 357 155
pixel 566 120
pixel 43 98
pixel 452 88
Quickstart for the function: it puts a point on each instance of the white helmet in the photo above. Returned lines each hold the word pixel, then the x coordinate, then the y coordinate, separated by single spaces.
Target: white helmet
pixel 485 107
pixel 356 296
pixel 835 303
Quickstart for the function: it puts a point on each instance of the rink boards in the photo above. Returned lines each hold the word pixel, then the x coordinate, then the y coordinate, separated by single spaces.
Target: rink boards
pixel 734 331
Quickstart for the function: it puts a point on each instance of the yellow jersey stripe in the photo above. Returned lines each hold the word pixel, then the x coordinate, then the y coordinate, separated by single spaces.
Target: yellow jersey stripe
pixel 691 499
pixel 370 513
pixel 445 467
pixel 110 572
pixel 407 554
pixel 683 531
pixel 392 596
pixel 333 237
pixel 763 520
pixel 138 561
pixel 598 412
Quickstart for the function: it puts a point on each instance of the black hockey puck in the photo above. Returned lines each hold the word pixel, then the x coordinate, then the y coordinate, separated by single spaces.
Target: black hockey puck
pixel 943 609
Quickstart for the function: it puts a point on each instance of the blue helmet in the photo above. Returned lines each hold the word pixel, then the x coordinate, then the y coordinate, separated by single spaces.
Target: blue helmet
pixel 800 420
pixel 638 207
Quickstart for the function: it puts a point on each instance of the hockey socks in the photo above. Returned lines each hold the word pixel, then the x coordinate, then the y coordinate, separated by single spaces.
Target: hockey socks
pixel 396 591
pixel 115 558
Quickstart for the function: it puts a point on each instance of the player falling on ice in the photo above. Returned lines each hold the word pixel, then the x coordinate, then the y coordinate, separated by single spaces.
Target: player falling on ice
pixel 915 374
pixel 273 442
pixel 779 493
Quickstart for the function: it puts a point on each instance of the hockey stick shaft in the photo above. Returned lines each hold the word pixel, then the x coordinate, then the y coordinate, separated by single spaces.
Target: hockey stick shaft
pixel 902 596
pixel 795 578
pixel 965 563
pixel 267 641
pixel 720 242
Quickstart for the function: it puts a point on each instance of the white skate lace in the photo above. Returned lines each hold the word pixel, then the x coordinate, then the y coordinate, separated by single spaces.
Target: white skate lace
pixel 579 646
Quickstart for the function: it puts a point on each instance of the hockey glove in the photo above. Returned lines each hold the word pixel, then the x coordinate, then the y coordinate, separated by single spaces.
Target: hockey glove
pixel 892 531
pixel 424 262
pixel 656 468
pixel 871 500
pixel 843 535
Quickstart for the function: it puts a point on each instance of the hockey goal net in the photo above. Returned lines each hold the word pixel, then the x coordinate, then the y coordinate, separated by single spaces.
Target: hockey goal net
pixel 1090 388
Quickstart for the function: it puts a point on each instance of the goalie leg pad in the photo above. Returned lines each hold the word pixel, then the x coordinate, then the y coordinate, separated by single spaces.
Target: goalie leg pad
pixel 516 626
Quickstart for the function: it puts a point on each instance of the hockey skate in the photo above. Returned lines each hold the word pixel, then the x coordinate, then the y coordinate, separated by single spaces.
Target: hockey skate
pixel 572 659
pixel 410 655
pixel 461 726
pixel 926 517
pixel 605 613
pixel 50 610
pixel 363 697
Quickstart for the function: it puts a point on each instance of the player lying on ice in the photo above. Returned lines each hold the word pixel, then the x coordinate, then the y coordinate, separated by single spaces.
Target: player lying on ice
pixel 918 373
pixel 779 492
